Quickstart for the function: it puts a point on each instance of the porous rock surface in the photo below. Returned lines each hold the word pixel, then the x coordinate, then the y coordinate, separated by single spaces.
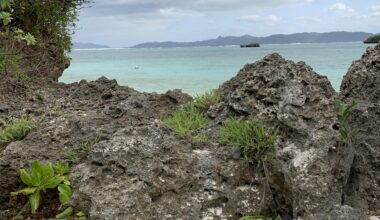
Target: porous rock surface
pixel 362 85
pixel 138 169
pixel 312 165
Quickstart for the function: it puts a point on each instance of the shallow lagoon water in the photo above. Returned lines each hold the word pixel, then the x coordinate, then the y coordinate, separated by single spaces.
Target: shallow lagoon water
pixel 199 69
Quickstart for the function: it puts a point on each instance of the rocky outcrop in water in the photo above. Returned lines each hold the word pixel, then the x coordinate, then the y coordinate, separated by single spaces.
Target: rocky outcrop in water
pixel 362 85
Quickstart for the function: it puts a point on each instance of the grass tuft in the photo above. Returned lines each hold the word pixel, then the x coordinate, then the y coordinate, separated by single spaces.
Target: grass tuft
pixel 250 136
pixel 186 121
pixel 16 130
pixel 205 101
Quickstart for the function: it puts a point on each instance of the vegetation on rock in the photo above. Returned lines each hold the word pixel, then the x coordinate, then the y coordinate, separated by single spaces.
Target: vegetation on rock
pixel 35 29
pixel 344 113
pixel 41 178
pixel 16 130
pixel 206 100
pixel 186 121
pixel 250 136
pixel 373 39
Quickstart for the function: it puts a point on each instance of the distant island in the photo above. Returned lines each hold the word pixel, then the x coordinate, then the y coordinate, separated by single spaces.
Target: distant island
pixel 373 39
pixel 330 37
pixel 77 45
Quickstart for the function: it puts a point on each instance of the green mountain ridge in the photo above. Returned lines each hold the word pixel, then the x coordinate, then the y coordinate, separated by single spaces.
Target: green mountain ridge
pixel 311 37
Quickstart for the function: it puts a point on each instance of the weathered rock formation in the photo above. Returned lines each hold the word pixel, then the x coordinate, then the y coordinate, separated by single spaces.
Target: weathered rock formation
pixel 138 169
pixel 312 164
pixel 362 85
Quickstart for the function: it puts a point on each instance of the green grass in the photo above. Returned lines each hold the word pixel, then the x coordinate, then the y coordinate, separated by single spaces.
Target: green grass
pixel 16 130
pixel 206 100
pixel 87 145
pixel 186 121
pixel 253 139
pixel 71 157
pixel 40 98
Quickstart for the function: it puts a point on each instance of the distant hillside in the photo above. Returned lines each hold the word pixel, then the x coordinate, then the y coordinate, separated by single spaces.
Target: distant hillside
pixel 272 39
pixel 77 45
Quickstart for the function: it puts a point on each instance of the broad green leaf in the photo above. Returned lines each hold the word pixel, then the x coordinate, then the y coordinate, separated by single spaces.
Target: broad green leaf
pixel 278 217
pixel 5 17
pixel 66 181
pixel 36 173
pixel 25 177
pixel 54 182
pixel 26 191
pixel 65 193
pixel 80 214
pixel 66 213
pixel 47 171
pixel 35 201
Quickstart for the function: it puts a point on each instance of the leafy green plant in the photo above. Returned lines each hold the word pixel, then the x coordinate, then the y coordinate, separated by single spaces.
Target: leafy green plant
pixel 16 130
pixel 344 113
pixel 186 121
pixel 206 100
pixel 250 136
pixel 259 217
pixel 42 177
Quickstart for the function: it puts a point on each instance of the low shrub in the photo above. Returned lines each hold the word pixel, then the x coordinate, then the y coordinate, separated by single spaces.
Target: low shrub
pixel 186 121
pixel 250 136
pixel 16 130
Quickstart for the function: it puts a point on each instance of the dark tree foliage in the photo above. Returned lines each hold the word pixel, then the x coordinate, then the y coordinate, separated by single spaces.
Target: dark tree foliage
pixel 49 21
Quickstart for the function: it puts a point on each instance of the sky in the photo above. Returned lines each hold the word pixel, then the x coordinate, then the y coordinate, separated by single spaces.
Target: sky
pixel 122 23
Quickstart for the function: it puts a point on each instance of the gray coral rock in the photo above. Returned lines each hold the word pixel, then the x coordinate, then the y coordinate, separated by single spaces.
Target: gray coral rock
pixel 362 85
pixel 312 164
pixel 147 173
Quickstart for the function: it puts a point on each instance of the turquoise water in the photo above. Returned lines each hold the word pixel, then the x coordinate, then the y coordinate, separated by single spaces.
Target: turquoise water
pixel 196 70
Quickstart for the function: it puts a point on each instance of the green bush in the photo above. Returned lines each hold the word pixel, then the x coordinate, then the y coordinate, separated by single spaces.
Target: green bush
pixel 373 39
pixel 16 130
pixel 250 136
pixel 39 179
pixel 205 101
pixel 186 121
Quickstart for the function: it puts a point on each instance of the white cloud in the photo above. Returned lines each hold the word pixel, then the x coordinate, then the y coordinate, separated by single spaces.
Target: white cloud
pixel 375 10
pixel 269 19
pixel 147 6
pixel 341 8
pixel 173 12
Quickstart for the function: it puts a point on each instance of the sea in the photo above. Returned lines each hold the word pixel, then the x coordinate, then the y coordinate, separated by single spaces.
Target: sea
pixel 197 70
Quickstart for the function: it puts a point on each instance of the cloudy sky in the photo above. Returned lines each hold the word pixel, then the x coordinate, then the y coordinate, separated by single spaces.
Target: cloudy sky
pixel 120 23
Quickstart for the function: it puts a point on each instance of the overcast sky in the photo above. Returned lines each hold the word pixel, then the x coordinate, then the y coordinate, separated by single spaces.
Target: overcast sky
pixel 120 23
